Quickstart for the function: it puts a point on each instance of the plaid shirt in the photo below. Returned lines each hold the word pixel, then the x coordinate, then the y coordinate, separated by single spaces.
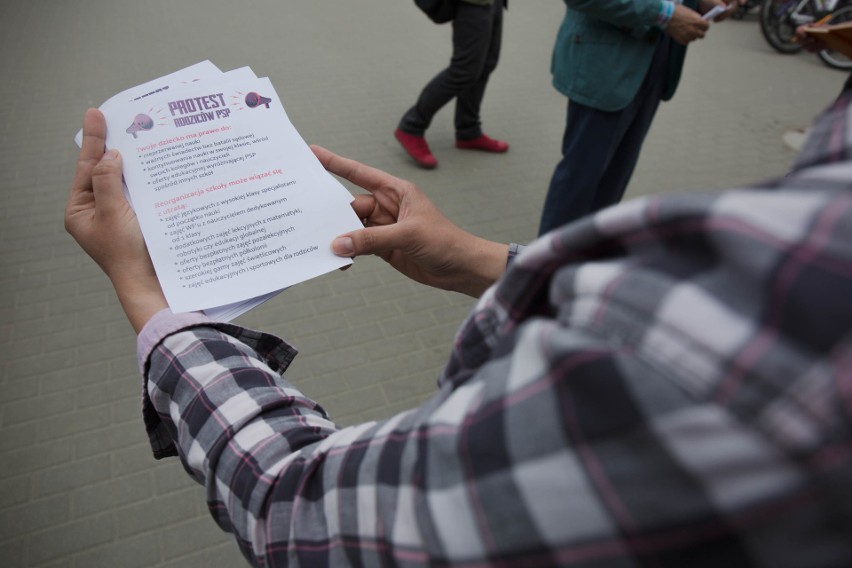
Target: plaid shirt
pixel 667 383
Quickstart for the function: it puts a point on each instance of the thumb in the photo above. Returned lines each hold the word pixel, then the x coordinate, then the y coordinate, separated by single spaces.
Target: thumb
pixel 373 240
pixel 106 182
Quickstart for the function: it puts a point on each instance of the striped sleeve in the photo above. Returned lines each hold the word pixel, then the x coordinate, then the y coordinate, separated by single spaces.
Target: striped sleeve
pixel 666 383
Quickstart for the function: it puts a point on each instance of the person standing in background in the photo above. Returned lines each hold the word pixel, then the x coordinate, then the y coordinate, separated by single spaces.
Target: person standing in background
pixel 615 61
pixel 477 34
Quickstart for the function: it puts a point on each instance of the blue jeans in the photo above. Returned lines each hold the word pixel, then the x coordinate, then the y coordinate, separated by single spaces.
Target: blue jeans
pixel 477 34
pixel 600 150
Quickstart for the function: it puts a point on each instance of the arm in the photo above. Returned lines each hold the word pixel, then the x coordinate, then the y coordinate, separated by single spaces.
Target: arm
pixel 549 437
pixel 550 441
pixel 680 22
pixel 406 230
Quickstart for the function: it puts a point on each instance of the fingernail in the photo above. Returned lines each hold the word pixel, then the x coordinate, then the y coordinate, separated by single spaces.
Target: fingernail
pixel 110 155
pixel 343 246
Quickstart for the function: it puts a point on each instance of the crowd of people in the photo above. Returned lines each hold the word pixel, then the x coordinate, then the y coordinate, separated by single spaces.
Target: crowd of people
pixel 664 382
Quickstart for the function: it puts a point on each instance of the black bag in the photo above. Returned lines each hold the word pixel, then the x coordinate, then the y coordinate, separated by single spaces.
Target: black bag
pixel 439 11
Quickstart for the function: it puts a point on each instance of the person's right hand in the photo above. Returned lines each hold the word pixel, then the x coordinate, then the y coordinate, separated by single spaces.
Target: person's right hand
pixel 686 25
pixel 406 229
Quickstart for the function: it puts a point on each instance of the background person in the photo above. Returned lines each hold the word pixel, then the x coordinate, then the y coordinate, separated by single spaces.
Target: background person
pixel 477 35
pixel 615 61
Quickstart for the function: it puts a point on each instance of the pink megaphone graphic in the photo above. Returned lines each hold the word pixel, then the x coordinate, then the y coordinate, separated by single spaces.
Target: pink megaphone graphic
pixel 255 100
pixel 141 122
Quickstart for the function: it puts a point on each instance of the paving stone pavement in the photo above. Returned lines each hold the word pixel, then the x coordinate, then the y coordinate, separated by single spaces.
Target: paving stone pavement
pixel 78 487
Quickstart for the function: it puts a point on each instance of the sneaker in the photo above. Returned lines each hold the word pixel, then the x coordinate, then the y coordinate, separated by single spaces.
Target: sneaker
pixel 483 142
pixel 417 148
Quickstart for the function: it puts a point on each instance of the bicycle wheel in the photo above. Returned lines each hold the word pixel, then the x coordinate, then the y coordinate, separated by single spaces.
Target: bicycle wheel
pixel 777 26
pixel 835 58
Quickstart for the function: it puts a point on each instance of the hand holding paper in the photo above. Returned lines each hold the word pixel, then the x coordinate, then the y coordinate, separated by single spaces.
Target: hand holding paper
pixel 101 220
pixel 232 203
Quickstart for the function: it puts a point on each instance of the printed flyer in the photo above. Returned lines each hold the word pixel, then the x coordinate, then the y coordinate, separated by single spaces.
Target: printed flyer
pixel 233 205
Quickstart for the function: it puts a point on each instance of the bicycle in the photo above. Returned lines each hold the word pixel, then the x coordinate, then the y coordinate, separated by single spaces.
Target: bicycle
pixel 780 18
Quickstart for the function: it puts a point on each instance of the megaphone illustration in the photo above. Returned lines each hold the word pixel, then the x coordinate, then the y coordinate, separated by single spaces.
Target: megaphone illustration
pixel 141 122
pixel 254 100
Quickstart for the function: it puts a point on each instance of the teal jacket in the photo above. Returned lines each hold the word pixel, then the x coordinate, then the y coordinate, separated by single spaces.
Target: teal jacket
pixel 604 48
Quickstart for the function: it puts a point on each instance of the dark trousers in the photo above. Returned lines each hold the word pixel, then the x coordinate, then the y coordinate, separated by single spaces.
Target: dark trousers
pixel 477 33
pixel 600 150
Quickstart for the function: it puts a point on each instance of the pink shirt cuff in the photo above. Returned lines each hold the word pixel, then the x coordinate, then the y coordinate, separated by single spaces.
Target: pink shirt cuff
pixel 160 326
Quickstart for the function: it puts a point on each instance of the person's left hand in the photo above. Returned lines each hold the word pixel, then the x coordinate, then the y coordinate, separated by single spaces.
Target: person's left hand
pixel 102 222
pixel 809 42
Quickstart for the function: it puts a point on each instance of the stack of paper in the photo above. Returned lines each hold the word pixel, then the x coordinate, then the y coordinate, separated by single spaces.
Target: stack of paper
pixel 233 205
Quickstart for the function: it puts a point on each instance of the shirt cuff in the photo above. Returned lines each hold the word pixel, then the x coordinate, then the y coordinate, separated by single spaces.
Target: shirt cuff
pixel 160 326
pixel 666 12
pixel 514 250
pixel 667 8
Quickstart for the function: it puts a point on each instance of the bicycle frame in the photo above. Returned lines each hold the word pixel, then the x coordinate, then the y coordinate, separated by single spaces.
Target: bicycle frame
pixel 821 7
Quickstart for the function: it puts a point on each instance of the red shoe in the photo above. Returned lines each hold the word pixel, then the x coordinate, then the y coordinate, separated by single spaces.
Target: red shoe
pixel 485 143
pixel 417 148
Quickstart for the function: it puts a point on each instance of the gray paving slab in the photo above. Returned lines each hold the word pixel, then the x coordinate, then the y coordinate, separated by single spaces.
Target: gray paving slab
pixel 77 484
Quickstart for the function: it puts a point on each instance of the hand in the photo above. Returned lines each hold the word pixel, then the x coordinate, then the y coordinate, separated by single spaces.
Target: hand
pixel 406 230
pixel 809 42
pixel 686 25
pixel 104 225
